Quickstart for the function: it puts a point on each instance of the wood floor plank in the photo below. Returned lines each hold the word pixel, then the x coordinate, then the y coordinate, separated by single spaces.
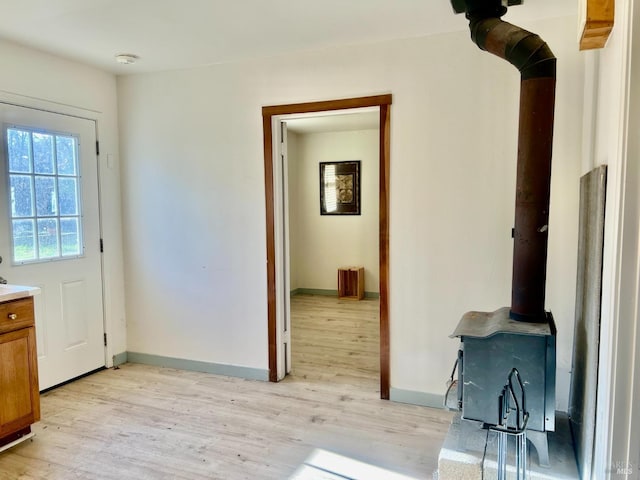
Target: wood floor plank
pixel 145 422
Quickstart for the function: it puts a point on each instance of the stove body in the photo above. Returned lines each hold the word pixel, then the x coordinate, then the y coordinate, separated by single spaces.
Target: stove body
pixel 491 344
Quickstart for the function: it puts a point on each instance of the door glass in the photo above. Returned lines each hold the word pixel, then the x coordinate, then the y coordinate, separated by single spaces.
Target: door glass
pixel 46 220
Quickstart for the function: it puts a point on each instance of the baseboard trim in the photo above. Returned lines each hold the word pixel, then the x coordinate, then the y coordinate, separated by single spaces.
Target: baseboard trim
pixel 198 366
pixel 119 359
pixel 327 293
pixel 416 398
pixel 314 291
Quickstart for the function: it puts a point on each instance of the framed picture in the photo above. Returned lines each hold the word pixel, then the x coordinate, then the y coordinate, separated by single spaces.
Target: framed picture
pixel 340 188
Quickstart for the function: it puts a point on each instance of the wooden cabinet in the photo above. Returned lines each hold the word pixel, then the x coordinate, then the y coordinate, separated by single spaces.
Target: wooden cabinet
pixel 19 394
pixel 351 283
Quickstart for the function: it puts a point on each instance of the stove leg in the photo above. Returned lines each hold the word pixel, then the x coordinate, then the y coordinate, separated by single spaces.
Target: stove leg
pixel 539 441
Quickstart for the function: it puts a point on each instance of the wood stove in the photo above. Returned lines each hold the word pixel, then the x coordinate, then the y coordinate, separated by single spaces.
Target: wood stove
pixel 522 337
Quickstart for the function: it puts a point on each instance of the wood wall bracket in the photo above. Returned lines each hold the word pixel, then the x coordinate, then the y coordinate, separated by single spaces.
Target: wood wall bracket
pixel 598 23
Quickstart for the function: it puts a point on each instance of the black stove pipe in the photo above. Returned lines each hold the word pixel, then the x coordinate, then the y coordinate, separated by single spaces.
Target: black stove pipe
pixel 537 66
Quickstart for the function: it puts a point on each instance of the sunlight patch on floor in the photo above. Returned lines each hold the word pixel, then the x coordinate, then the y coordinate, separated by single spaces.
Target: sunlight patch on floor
pixel 324 465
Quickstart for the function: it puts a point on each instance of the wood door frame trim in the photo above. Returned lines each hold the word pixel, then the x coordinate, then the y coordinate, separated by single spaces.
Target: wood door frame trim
pixel 384 103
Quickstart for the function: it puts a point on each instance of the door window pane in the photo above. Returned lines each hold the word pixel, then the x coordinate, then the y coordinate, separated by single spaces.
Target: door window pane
pixel 21 189
pixel 19 149
pixel 48 238
pixel 66 155
pixel 70 236
pixel 46 197
pixel 43 153
pixel 44 187
pixel 68 196
pixel 24 241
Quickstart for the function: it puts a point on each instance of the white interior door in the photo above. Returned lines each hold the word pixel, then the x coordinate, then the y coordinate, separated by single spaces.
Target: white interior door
pixel 281 225
pixel 50 234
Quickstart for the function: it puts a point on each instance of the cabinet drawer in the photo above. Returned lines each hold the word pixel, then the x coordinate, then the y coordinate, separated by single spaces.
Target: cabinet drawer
pixel 16 314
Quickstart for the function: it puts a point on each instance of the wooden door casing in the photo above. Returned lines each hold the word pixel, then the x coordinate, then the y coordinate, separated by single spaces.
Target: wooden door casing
pixel 384 103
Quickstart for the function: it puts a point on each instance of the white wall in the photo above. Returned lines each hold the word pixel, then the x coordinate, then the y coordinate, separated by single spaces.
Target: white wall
pixel 323 243
pixel 194 208
pixel 614 73
pixel 35 79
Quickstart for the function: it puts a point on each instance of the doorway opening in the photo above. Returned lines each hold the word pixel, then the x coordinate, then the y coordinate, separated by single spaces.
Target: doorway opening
pixel 276 246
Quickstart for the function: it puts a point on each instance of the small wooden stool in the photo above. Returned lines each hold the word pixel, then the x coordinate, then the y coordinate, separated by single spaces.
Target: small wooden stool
pixel 351 283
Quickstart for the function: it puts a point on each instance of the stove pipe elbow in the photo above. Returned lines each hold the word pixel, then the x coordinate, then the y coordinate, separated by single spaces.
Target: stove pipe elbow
pixel 524 50
pixel 537 66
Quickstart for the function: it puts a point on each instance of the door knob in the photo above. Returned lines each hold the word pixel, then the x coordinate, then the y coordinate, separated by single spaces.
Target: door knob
pixel 3 281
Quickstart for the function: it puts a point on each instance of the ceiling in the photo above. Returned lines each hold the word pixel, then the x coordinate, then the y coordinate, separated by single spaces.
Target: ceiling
pixel 174 34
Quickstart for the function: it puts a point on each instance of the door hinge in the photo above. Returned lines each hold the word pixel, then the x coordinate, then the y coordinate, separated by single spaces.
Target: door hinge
pixel 101 246
pixel 97 147
pixel 105 339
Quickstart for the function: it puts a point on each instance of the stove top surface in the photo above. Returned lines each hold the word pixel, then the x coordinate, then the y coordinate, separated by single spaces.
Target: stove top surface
pixel 487 324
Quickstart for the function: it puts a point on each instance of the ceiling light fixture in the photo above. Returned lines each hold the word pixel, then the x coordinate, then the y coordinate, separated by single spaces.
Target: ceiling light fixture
pixel 126 58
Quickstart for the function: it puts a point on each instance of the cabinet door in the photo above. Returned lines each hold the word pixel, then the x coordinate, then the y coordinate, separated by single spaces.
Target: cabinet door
pixel 19 396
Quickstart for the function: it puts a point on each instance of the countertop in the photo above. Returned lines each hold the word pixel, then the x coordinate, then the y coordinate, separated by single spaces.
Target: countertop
pixel 14 292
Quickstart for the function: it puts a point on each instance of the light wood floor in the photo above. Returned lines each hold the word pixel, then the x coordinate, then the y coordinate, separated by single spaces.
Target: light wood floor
pixel 336 340
pixel 143 422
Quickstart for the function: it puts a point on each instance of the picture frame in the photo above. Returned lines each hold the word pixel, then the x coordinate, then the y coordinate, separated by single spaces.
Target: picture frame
pixel 340 188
